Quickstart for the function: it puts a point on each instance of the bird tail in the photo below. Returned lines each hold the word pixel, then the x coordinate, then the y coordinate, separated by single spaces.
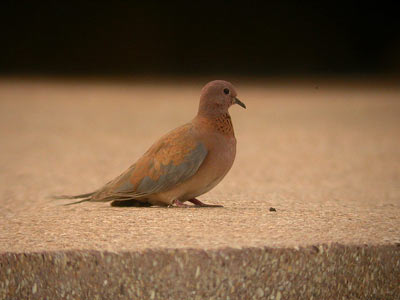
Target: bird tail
pixel 86 197
pixel 73 196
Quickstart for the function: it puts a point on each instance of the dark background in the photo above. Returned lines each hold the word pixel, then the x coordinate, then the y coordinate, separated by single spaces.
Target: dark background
pixel 129 38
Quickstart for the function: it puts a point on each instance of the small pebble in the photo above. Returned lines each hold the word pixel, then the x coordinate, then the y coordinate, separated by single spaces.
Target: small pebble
pixel 272 209
pixel 260 292
pixel 34 288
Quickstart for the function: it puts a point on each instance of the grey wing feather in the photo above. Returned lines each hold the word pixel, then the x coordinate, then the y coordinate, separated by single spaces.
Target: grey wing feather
pixel 174 174
pixel 121 187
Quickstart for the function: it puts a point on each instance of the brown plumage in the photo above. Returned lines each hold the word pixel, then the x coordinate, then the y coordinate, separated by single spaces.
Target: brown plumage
pixel 183 164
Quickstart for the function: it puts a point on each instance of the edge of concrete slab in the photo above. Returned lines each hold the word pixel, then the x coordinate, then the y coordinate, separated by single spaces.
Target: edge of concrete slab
pixel 332 271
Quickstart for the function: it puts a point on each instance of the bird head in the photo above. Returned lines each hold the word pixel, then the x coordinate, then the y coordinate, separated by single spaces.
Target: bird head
pixel 217 96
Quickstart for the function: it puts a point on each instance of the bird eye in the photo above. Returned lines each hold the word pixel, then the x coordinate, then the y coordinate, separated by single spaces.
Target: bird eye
pixel 226 91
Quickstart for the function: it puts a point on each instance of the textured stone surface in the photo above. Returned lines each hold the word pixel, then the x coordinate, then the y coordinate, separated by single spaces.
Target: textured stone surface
pixel 324 272
pixel 327 159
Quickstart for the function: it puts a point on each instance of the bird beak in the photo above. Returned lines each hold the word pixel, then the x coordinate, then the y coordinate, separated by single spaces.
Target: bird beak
pixel 237 101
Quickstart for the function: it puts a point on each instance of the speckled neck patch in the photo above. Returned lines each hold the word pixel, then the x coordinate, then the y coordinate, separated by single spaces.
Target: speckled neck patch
pixel 223 124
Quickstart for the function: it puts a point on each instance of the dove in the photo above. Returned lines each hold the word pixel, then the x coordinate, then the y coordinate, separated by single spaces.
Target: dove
pixel 183 164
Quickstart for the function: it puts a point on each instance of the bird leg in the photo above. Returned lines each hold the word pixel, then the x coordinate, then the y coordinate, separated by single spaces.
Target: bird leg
pixel 197 202
pixel 178 203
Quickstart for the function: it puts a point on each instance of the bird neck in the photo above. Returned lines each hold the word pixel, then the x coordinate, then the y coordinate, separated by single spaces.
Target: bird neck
pixel 221 122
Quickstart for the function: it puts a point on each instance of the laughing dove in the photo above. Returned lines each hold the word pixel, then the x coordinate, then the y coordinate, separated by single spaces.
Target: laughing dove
pixel 183 164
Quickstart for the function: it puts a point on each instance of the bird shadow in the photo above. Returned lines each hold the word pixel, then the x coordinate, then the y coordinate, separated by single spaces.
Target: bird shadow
pixel 135 203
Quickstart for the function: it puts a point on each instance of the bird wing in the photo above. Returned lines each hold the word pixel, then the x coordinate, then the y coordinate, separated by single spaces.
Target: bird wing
pixel 171 160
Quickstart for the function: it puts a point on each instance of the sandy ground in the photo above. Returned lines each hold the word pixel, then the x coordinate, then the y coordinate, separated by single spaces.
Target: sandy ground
pixel 327 158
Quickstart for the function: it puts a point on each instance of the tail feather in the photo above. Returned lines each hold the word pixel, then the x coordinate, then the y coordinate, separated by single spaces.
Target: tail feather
pixel 77 202
pixel 88 195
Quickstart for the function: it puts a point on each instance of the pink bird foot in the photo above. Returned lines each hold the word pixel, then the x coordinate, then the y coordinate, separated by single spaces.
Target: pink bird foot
pixel 178 203
pixel 197 202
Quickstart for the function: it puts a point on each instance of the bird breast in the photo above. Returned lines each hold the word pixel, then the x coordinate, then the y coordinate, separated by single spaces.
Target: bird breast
pixel 217 164
pixel 218 137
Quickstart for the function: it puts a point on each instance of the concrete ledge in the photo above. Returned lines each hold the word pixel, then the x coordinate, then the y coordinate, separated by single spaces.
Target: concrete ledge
pixel 318 272
pixel 326 159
